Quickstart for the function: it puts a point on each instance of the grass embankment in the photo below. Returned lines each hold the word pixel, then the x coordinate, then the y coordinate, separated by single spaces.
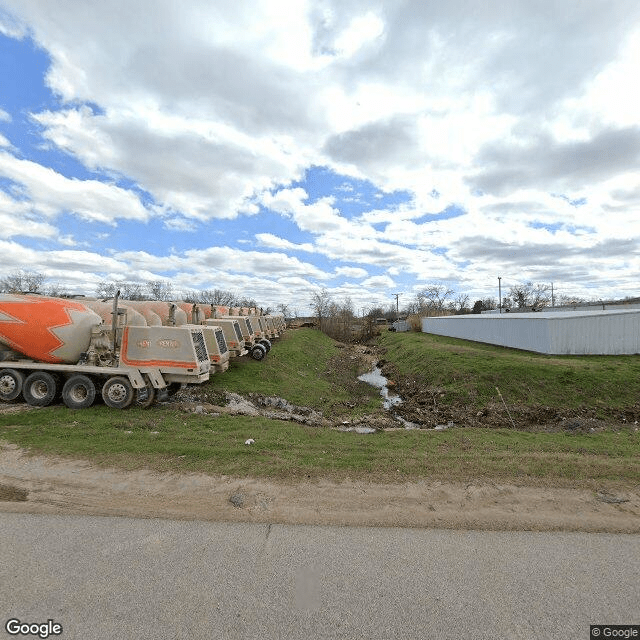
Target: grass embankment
pixel 307 368
pixel 303 368
pixel 469 372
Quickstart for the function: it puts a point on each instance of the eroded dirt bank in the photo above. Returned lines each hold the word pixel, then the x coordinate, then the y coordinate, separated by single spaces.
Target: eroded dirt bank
pixel 46 484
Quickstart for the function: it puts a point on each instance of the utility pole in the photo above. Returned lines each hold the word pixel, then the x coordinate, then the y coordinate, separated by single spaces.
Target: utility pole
pixel 397 295
pixel 552 299
pixel 499 294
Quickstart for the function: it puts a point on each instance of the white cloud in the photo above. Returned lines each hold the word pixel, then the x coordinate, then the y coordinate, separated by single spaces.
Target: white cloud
pixel 223 114
pixel 362 30
pixel 51 193
pixel 318 217
pixel 179 224
pixel 352 272
pixel 378 282
pixel 274 242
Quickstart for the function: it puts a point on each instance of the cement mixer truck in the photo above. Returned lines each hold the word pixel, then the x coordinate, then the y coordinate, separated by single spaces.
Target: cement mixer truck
pixel 52 346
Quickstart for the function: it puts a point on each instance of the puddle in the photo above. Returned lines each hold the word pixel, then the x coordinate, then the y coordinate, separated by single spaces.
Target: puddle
pixel 376 379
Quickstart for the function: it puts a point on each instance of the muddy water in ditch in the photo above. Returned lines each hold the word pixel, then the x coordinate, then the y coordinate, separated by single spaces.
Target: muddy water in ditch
pixel 389 400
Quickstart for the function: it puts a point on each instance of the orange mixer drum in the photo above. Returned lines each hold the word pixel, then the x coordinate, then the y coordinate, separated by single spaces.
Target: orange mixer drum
pixel 159 313
pixel 54 330
pixel 105 311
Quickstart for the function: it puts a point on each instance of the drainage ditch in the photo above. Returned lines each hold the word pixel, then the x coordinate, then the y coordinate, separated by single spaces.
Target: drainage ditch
pixel 389 400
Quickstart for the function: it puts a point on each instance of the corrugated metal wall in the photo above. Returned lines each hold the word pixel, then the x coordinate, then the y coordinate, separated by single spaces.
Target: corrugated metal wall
pixel 574 332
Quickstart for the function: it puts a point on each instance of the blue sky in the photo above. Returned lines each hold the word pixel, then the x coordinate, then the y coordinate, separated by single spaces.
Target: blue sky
pixel 288 146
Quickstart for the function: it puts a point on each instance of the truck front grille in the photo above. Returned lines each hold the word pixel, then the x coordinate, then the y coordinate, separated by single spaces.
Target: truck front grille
pixel 200 346
pixel 249 326
pixel 236 326
pixel 222 343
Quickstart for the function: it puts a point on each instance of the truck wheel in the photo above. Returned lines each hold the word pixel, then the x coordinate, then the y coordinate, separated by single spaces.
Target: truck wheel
pixel 117 392
pixel 266 344
pixel 258 352
pixel 174 387
pixel 79 392
pixel 145 397
pixel 11 383
pixel 39 389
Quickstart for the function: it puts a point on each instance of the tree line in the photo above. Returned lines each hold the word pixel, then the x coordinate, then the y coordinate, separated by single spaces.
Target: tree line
pixel 340 319
pixel 24 281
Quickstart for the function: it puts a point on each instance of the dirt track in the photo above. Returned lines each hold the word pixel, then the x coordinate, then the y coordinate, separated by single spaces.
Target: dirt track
pixel 39 484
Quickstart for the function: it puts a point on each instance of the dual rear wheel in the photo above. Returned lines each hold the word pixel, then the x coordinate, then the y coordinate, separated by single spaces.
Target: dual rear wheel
pixel 40 389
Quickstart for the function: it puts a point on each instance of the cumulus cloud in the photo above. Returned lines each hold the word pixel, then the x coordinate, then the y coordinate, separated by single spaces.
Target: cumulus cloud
pixel 51 193
pixel 318 217
pixel 543 162
pixel 378 282
pixel 274 242
pixel 511 115
pixel 392 141
pixel 352 272
pixel 179 224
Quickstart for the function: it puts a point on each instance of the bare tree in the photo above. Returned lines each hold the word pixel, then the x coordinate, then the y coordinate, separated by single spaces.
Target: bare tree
pixel 530 295
pixel 159 290
pixel 376 312
pixel 216 297
pixel 283 309
pixel 55 290
pixel 460 304
pixel 320 302
pixel 484 305
pixel 246 302
pixel 22 281
pixel 566 300
pixel 433 297
pixel 128 290
pixel 106 289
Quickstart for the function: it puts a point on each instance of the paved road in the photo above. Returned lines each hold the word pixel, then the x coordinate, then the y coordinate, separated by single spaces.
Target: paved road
pixel 121 578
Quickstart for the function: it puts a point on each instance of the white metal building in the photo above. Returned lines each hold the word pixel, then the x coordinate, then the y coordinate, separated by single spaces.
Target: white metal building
pixel 608 332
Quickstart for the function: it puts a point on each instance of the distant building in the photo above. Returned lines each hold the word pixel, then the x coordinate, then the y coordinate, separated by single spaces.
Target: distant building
pixel 581 332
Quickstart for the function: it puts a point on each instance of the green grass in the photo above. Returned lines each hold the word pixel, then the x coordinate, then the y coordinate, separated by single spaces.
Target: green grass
pixel 470 372
pixel 303 368
pixel 300 368
pixel 189 442
pixel 292 369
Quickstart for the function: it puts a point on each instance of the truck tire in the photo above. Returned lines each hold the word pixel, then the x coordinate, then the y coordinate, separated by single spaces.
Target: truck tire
pixel 117 392
pixel 39 389
pixel 79 392
pixel 11 383
pixel 174 387
pixel 145 397
pixel 266 344
pixel 258 352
